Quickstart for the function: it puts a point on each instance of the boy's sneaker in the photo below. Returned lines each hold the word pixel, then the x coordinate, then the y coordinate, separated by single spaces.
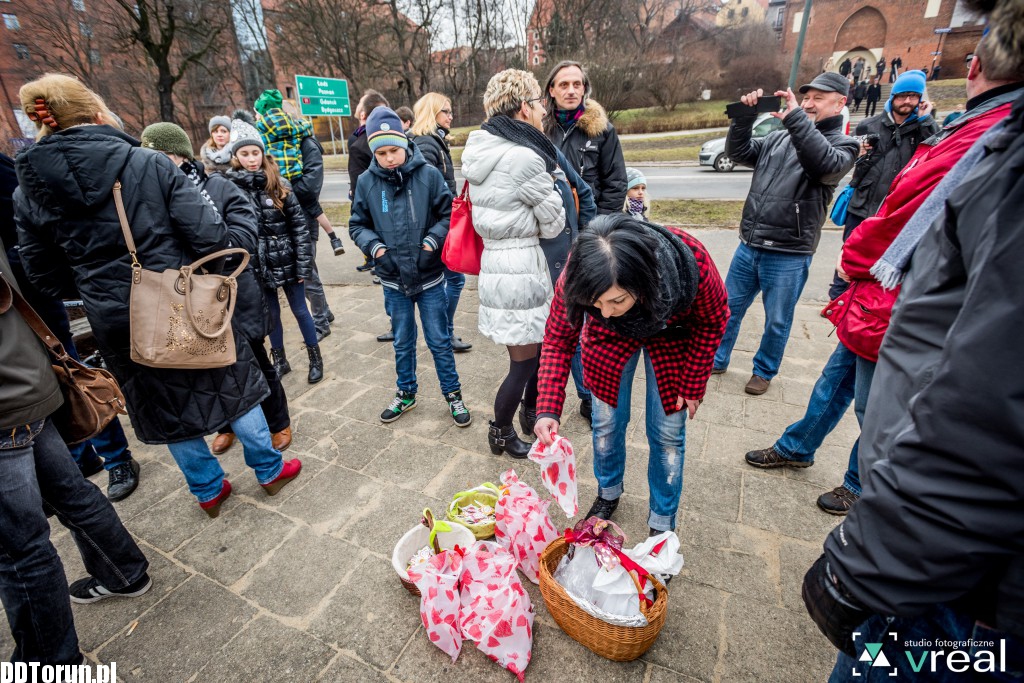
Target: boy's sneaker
pixel 336 244
pixel 460 413
pixel 402 403
pixel 87 590
pixel 367 265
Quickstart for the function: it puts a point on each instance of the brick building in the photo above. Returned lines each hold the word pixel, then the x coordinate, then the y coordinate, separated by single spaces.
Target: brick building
pixel 840 29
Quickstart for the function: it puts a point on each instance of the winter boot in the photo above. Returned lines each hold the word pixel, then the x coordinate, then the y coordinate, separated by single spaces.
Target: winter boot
pixel 527 419
pixel 505 439
pixel 316 364
pixel 280 362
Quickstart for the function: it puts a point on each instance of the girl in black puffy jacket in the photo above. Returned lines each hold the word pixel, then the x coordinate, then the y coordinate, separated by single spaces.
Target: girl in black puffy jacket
pixel 285 246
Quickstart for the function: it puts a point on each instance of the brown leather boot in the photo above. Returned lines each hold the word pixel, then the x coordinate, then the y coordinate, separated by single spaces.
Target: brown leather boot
pixel 222 442
pixel 282 439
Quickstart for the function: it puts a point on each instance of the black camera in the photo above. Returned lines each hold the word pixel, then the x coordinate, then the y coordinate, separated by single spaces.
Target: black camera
pixel 871 139
pixel 735 110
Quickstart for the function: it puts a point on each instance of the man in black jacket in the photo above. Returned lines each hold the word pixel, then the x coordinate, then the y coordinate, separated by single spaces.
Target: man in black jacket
pixel 873 94
pixel 796 171
pixel 933 549
pixel 359 156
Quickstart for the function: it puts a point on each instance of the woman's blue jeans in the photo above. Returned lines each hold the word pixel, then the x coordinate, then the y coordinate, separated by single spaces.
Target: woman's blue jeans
pixel 296 295
pixel 453 284
pixel 202 470
pixel 666 435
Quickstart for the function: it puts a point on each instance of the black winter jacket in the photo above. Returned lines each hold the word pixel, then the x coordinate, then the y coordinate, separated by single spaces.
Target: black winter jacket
pixel 307 186
pixel 874 172
pixel 437 153
pixel 70 237
pixel 940 454
pixel 592 147
pixel 402 210
pixel 796 170
pixel 285 247
pixel 252 317
pixel 359 158
pixel 874 92
pixel 556 249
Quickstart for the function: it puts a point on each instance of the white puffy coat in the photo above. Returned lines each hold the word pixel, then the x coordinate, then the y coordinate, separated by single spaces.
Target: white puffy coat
pixel 515 203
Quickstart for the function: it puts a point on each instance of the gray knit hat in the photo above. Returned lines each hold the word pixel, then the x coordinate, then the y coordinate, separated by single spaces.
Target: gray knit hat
pixel 634 177
pixel 220 121
pixel 244 133
pixel 168 137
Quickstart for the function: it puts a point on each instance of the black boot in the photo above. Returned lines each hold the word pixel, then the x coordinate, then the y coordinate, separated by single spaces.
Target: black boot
pixel 505 439
pixel 587 411
pixel 527 419
pixel 603 509
pixel 280 362
pixel 316 364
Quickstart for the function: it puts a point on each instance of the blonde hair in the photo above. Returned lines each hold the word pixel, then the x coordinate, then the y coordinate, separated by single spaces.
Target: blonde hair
pixel 425 113
pixel 57 101
pixel 508 90
pixel 276 188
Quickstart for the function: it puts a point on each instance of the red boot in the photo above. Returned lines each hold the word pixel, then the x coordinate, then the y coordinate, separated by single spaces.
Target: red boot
pixel 212 507
pixel 290 471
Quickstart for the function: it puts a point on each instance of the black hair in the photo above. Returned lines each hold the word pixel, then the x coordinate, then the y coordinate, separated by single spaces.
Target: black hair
pixel 615 249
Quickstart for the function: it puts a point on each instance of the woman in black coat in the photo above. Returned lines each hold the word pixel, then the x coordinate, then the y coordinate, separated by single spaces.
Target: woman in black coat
pixel 71 240
pixel 251 317
pixel 430 130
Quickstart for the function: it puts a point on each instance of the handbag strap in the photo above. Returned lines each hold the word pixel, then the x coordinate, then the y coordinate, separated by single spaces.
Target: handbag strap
pixel 32 319
pixel 229 281
pixel 464 195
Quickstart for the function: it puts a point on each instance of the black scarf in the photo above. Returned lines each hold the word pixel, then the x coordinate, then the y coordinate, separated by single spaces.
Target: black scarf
pixel 678 280
pixel 525 135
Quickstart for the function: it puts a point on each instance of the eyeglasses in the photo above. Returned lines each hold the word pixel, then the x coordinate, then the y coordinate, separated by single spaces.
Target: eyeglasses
pixel 447 112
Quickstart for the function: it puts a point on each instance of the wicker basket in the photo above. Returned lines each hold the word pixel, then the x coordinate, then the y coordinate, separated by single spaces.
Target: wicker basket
pixel 617 643
pixel 486 494
pixel 419 536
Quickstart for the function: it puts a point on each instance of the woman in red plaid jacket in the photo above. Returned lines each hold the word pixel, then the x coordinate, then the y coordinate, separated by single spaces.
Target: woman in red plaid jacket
pixel 632 286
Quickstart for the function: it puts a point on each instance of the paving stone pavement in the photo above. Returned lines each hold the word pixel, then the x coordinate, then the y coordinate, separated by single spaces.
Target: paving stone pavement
pixel 299 587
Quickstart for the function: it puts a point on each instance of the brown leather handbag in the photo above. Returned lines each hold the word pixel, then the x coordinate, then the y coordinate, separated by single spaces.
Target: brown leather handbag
pixel 92 398
pixel 180 318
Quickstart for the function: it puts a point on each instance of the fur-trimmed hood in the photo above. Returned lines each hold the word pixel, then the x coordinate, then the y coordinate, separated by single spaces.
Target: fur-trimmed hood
pixel 593 122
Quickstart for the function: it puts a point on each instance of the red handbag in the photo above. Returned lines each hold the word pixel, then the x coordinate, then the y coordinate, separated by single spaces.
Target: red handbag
pixel 861 315
pixel 463 247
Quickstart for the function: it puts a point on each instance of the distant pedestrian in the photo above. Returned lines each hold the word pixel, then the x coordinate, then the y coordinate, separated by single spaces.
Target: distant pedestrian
pixel 636 194
pixel 859 92
pixel 407 116
pixel 894 68
pixel 216 152
pixel 858 69
pixel 845 67
pixel 873 94
pixel 880 68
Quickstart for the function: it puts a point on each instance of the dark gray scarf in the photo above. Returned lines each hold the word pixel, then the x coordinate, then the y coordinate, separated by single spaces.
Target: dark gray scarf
pixel 522 133
pixel 678 280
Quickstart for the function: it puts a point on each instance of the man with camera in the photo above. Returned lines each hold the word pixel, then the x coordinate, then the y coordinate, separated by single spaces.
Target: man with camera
pixel 796 171
pixel 888 140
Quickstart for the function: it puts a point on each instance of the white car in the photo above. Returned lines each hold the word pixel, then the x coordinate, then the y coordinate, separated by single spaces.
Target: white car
pixel 712 152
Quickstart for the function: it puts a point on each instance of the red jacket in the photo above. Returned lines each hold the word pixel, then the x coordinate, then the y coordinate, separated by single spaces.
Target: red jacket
pixel 862 327
pixel 682 366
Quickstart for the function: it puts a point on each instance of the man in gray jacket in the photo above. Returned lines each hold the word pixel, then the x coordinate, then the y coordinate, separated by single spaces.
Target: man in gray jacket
pixel 796 171
pixel 37 477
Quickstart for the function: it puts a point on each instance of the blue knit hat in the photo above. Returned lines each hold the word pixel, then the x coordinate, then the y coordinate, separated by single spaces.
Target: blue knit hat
pixel 384 128
pixel 634 177
pixel 908 81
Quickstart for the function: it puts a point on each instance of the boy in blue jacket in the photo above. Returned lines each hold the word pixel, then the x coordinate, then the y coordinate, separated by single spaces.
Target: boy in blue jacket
pixel 400 215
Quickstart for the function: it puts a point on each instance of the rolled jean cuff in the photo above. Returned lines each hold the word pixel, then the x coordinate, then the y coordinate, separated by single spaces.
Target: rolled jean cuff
pixel 789 456
pixel 276 475
pixel 661 522
pixel 612 493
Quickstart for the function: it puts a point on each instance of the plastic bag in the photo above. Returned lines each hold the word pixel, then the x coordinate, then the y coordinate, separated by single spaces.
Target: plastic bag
pixel 659 555
pixel 438 582
pixel 496 610
pixel 587 583
pixel 558 472
pixel 522 524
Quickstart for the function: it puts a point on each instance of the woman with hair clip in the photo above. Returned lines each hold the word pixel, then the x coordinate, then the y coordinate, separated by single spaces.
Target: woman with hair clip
pixel 71 239
pixel 633 287
pixel 430 129
pixel 511 168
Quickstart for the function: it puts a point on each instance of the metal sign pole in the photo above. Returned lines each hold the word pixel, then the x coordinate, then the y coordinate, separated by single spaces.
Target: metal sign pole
pixel 341 130
pixel 330 124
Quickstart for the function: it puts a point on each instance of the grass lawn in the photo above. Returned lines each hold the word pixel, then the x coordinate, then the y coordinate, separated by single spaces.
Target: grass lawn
pixel 686 116
pixel 695 213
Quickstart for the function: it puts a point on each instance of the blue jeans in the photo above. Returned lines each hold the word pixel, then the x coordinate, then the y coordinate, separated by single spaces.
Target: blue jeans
pixel 433 306
pixel 318 307
pixel 779 278
pixel 111 445
pixel 666 435
pixel 38 476
pixel 939 623
pixel 865 373
pixel 202 470
pixel 577 375
pixel 296 295
pixel 453 284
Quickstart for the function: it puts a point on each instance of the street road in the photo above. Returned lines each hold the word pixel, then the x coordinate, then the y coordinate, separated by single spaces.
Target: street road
pixel 663 182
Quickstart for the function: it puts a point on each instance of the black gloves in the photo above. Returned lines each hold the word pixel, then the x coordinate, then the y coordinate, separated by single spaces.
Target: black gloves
pixel 836 612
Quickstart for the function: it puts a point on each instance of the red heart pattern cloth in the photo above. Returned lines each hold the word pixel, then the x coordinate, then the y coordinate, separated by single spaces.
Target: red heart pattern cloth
pixel 496 611
pixel 438 582
pixel 558 472
pixel 522 524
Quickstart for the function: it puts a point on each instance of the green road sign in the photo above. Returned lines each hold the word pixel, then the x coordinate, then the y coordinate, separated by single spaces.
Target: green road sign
pixel 320 96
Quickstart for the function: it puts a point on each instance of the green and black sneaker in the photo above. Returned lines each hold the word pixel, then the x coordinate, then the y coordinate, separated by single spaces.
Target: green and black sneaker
pixel 460 413
pixel 403 402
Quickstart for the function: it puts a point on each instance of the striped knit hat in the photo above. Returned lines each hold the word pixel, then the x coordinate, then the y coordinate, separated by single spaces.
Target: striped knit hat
pixel 384 128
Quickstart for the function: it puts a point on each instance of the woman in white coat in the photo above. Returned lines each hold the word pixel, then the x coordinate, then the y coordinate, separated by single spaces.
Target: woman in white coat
pixel 511 168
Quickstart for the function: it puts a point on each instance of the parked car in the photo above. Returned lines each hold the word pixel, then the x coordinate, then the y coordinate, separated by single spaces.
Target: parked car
pixel 712 152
